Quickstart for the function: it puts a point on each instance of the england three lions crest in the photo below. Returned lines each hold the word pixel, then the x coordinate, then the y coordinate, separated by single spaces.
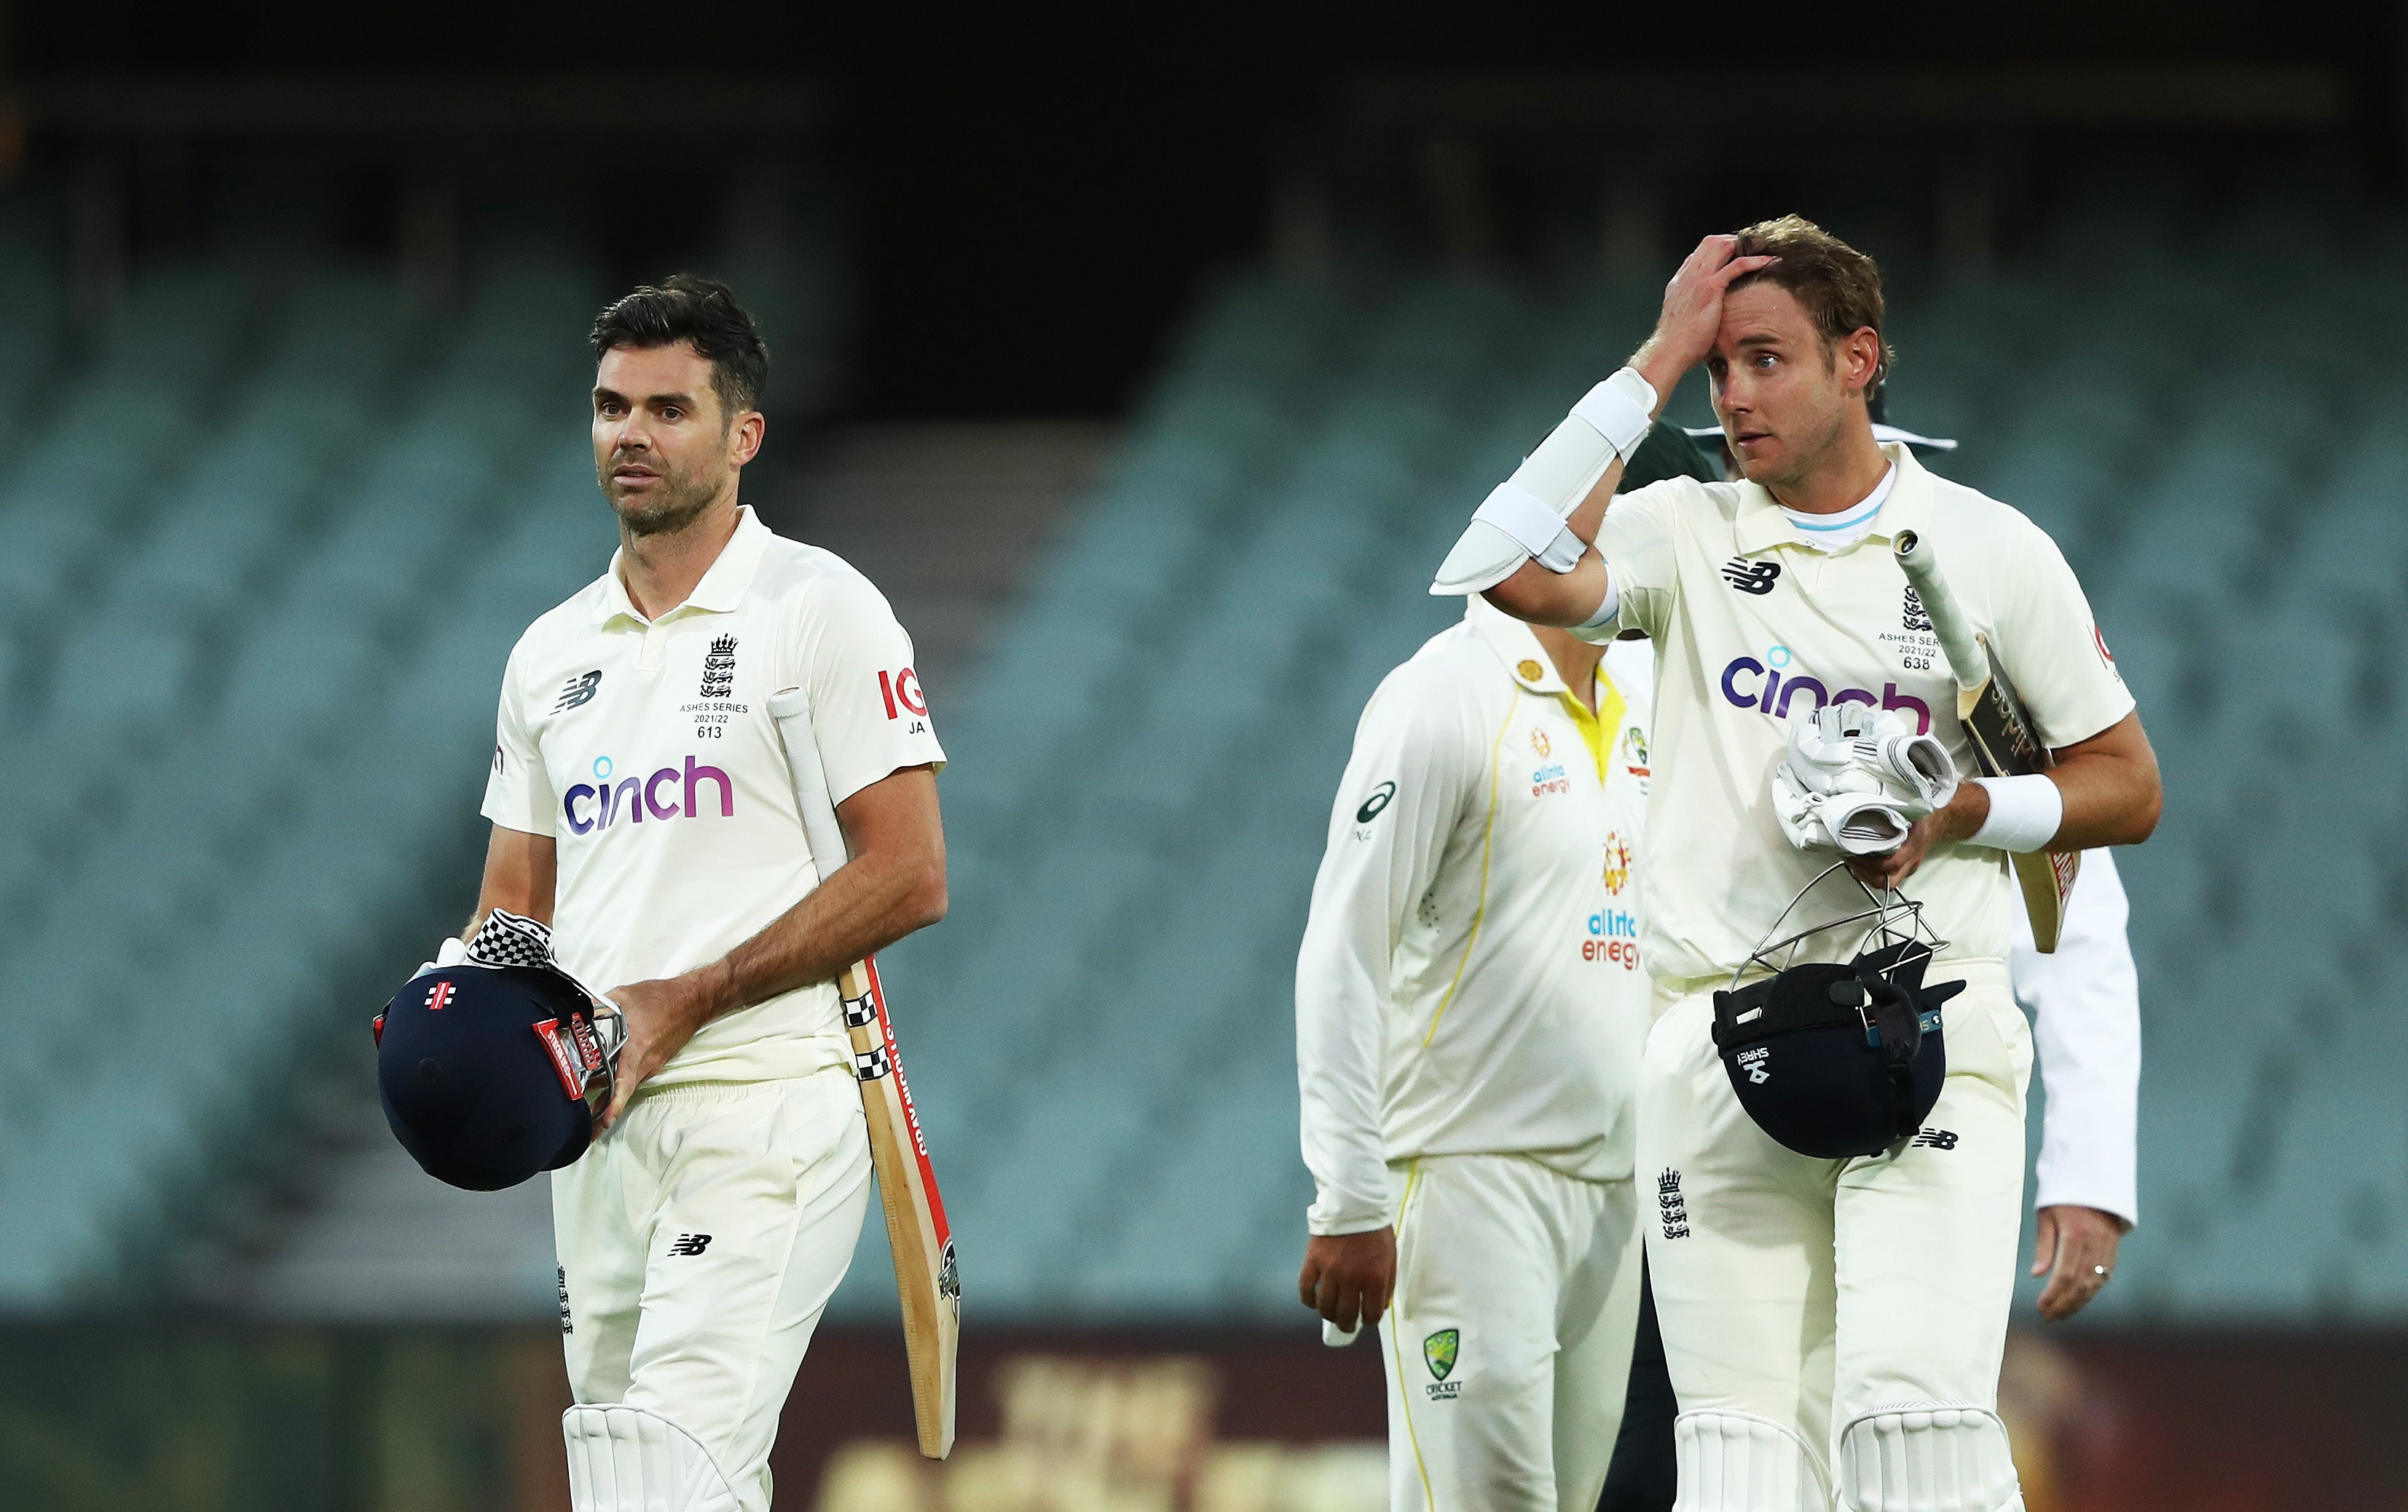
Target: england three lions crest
pixel 719 669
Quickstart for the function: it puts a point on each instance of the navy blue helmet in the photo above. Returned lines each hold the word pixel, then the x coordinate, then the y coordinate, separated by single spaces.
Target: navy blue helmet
pixel 484 1069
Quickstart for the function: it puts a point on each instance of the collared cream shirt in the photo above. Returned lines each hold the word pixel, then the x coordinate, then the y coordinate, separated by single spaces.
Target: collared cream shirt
pixel 1754 627
pixel 646 749
pixel 1469 980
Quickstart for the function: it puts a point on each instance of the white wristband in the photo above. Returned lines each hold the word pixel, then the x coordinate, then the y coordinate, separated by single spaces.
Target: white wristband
pixel 1621 410
pixel 2026 813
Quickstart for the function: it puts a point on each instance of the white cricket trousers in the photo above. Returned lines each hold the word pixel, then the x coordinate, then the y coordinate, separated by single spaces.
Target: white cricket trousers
pixel 1507 1345
pixel 698 1241
pixel 1811 1291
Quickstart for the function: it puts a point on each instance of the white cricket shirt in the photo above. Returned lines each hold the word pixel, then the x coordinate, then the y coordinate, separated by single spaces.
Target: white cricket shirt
pixel 2085 1005
pixel 1754 627
pixel 1470 981
pixel 646 749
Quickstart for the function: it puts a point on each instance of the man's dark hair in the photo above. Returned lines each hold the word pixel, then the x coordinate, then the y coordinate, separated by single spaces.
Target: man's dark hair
pixel 686 308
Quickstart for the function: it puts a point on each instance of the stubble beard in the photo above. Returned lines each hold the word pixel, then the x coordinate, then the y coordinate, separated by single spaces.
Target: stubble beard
pixel 1823 443
pixel 677 501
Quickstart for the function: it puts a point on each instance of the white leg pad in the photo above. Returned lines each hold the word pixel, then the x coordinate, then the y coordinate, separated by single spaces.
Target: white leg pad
pixel 624 1459
pixel 1736 1461
pixel 1927 1456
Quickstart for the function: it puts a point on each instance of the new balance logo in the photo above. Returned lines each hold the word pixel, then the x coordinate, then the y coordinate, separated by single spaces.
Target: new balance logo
pixel 578 690
pixel 1750 576
pixel 1936 1139
pixel 1670 1206
pixel 690 1243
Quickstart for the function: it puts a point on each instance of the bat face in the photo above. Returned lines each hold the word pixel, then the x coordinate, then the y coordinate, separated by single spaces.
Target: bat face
pixel 1994 719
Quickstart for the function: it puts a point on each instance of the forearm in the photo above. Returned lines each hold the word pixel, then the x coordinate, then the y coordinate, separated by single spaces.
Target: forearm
pixel 860 909
pixel 2110 800
pixel 521 871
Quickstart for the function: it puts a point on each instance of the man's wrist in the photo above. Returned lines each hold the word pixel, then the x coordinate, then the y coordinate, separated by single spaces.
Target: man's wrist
pixel 1965 813
pixel 1662 371
pixel 711 991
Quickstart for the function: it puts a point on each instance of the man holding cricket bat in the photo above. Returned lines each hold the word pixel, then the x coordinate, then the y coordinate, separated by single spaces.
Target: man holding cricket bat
pixel 1831 1107
pixel 643 804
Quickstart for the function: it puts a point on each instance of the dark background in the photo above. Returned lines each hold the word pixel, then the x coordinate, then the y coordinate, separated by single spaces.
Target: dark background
pixel 1039 188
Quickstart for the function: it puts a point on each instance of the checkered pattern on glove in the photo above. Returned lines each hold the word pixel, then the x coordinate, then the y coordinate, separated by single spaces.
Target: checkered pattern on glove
pixel 509 939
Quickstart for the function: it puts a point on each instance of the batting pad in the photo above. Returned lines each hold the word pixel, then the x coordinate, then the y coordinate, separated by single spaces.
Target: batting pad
pixel 624 1459
pixel 1736 1461
pixel 1927 1456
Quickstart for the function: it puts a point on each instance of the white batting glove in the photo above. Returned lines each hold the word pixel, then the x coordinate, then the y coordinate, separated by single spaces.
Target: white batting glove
pixel 1855 779
pixel 451 952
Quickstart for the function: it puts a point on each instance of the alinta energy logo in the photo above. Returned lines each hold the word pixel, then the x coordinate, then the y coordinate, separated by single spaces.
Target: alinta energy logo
pixel 1776 687
pixel 671 792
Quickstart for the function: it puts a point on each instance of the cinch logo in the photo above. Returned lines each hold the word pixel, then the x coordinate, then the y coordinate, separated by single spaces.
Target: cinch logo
pixel 1770 686
pixel 636 796
pixel 1614 936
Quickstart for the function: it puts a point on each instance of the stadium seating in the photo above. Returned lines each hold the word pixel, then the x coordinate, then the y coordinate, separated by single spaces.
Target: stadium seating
pixel 269 539
pixel 271 533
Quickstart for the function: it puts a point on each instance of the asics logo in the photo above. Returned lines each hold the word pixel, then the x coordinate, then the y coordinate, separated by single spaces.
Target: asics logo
pixel 1772 687
pixel 1750 576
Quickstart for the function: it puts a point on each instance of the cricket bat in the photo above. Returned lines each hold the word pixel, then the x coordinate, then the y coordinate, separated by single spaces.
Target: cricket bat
pixel 925 1276
pixel 2000 729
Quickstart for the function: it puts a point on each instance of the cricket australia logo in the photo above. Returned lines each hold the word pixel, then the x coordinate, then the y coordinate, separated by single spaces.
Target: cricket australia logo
pixel 719 669
pixel 1915 618
pixel 1440 1352
pixel 578 690
pixel 1755 577
pixel 1670 1206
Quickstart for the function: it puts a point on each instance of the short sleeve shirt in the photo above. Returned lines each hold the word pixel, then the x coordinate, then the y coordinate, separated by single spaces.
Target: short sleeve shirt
pixel 646 749
pixel 1755 627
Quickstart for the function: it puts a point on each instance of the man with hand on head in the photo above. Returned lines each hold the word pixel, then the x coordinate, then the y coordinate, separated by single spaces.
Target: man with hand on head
pixel 643 806
pixel 1832 1250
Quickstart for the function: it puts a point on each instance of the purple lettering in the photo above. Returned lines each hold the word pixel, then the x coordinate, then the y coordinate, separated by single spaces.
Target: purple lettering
pixel 1893 700
pixel 621 800
pixel 695 775
pixel 1771 691
pixel 1853 695
pixel 1789 694
pixel 568 806
pixel 652 793
pixel 1730 680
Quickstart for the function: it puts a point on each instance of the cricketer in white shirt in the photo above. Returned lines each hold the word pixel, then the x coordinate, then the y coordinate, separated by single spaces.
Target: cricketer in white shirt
pixel 1470 1008
pixel 1833 1328
pixel 699 1238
